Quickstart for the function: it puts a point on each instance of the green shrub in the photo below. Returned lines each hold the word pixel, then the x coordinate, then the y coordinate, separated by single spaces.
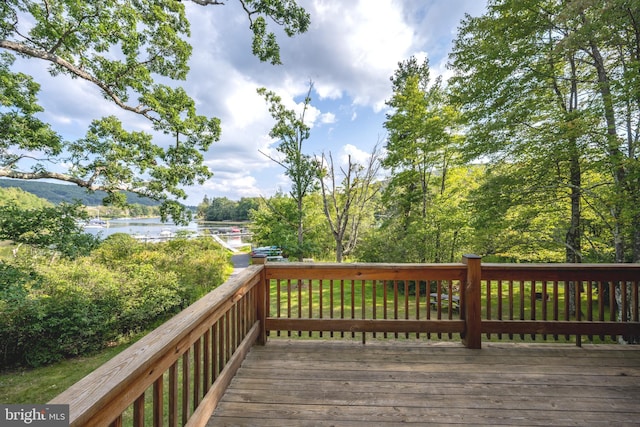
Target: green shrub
pixel 19 313
pixel 49 311
pixel 148 295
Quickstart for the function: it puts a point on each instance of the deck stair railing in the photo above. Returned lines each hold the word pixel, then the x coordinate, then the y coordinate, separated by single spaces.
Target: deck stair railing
pixel 176 374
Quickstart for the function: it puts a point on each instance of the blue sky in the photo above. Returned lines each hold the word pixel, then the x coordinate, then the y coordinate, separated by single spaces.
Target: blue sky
pixel 349 52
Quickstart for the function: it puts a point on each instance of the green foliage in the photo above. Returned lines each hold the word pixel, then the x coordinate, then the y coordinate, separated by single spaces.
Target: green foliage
pixel 291 131
pixel 274 223
pixel 47 228
pixel 293 18
pixel 422 201
pixel 60 193
pixel 52 310
pixel 13 196
pixel 548 86
pixel 223 209
pixel 133 52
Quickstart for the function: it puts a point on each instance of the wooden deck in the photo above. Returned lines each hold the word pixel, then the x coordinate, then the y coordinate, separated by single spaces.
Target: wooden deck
pixel 387 383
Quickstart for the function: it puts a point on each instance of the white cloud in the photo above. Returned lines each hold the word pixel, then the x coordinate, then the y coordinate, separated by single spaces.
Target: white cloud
pixel 357 155
pixel 327 118
pixel 350 51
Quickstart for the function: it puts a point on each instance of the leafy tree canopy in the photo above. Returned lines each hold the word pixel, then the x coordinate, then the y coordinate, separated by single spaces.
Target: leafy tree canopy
pixel 125 49
pixel 47 228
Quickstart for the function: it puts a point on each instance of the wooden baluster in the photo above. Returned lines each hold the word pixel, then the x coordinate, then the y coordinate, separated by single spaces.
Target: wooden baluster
pixel 450 311
pixel 310 297
pixel 299 304
pixel 331 302
pixel 406 304
pixel 556 303
pixel 601 305
pixel 590 305
pixel 499 308
pixel 221 346
pixel 511 308
pixel 417 297
pixel 567 296
pixel 439 303
pixel 353 304
pixel 625 303
pixel 264 306
pixel 173 395
pixel 289 303
pixel 238 324
pixel 320 301
pixel 186 385
pixel 533 304
pixel 342 304
pixel 427 294
pixel 384 301
pixel 215 370
pixel 521 282
pixel 395 302
pixel 636 301
pixel 545 297
pixel 375 302
pixel 278 302
pixel 227 337
pixel 158 403
pixel 363 301
pixel 578 285
pixel 197 365
pixel 488 303
pixel 138 412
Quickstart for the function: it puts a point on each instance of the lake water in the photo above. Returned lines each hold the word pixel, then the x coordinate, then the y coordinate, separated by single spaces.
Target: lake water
pixel 153 228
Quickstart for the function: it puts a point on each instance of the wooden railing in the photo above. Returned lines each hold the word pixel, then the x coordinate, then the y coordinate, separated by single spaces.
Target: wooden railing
pixel 501 301
pixel 380 299
pixel 176 374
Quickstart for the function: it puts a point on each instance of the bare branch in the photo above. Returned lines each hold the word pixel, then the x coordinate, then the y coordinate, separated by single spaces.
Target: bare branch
pixel 208 2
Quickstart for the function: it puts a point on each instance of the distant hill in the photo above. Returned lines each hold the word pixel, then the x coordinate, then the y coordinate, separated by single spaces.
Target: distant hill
pixel 57 193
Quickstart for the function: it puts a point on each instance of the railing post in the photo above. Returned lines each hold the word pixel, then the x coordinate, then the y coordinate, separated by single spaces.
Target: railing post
pixel 263 288
pixel 471 302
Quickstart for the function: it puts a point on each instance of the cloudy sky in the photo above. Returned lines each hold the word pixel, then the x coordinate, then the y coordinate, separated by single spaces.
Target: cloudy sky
pixel 349 52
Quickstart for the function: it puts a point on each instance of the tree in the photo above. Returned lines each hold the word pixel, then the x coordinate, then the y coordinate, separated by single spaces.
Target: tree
pixel 221 209
pixel 556 89
pixel 345 203
pixel 202 207
pixel 48 228
pixel 124 49
pixel 421 148
pixel 245 206
pixel 291 131
pixel 13 196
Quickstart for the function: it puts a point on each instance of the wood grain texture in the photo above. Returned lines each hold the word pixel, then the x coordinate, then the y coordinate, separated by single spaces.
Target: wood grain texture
pixel 387 383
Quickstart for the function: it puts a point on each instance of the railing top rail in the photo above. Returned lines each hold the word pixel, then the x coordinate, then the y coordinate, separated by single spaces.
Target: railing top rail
pixel 561 271
pixel 365 271
pixel 149 357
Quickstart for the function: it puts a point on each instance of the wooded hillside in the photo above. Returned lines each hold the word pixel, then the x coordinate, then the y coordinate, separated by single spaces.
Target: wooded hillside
pixel 58 193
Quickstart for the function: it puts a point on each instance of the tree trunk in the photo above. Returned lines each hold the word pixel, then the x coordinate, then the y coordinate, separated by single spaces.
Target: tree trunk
pixel 613 147
pixel 300 230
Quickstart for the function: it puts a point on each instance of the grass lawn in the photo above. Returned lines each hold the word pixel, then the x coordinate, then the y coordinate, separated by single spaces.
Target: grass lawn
pixel 365 300
pixel 40 385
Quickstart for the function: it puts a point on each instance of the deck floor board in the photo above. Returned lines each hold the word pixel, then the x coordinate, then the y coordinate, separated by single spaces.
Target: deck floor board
pixel 387 383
